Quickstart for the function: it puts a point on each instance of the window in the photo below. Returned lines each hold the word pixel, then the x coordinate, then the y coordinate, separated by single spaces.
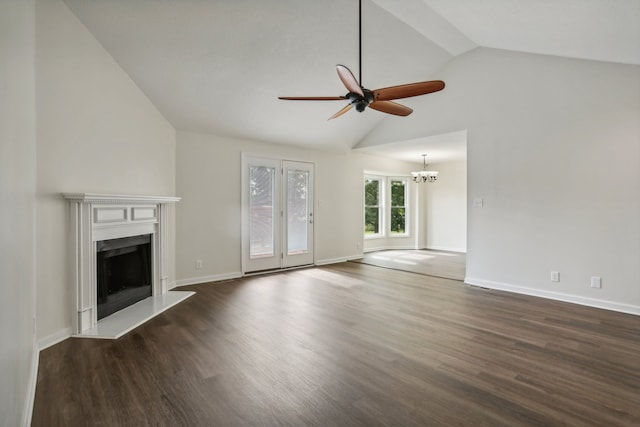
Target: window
pixel 386 206
pixel 398 207
pixel 373 206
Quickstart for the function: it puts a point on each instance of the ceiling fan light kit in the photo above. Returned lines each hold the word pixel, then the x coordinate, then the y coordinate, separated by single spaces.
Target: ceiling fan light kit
pixel 380 99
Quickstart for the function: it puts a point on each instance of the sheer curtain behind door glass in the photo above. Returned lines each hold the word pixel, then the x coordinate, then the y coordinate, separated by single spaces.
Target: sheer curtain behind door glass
pixel 298 211
pixel 261 211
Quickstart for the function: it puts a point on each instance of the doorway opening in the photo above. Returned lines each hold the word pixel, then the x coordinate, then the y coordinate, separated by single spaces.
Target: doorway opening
pixel 440 208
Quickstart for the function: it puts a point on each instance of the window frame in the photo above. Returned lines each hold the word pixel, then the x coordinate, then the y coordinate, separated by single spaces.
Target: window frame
pixel 406 206
pixel 380 206
pixel 384 206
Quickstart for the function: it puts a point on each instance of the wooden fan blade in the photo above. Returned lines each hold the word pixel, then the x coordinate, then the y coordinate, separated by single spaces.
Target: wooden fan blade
pixel 391 107
pixel 348 80
pixel 341 112
pixel 312 98
pixel 408 90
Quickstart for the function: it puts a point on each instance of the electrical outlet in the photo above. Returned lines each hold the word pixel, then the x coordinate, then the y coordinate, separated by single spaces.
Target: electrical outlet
pixel 596 282
pixel 358 245
pixel 555 276
pixel 198 264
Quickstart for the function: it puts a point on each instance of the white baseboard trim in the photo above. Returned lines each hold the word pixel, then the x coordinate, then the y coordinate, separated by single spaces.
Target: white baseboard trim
pixel 236 275
pixel 337 260
pixel 205 279
pixel 40 345
pixel 558 296
pixel 31 388
pixel 54 339
pixel 367 250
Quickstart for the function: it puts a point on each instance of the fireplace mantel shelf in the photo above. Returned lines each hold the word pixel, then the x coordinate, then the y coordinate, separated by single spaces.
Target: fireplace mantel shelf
pixel 96 198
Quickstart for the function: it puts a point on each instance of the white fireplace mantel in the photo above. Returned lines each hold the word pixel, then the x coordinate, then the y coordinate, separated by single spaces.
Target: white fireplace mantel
pixel 96 217
pixel 117 198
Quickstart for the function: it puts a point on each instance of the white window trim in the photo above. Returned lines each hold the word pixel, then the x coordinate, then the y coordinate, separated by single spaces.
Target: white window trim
pixel 384 204
pixel 407 209
pixel 381 206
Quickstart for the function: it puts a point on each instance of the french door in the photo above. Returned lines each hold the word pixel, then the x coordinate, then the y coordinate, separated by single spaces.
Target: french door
pixel 277 208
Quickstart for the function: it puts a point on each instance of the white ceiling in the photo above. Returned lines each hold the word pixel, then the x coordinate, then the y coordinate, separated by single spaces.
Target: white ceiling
pixel 218 66
pixel 603 30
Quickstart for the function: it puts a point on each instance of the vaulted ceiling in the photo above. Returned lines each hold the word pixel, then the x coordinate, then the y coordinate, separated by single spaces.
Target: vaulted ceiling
pixel 218 66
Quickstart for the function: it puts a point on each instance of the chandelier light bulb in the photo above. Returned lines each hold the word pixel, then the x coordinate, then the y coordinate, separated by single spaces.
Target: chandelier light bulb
pixel 424 175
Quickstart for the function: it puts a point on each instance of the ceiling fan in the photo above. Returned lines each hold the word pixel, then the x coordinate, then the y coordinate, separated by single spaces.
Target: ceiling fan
pixel 378 99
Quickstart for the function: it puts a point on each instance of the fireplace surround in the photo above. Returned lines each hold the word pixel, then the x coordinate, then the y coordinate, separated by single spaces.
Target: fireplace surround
pixel 99 218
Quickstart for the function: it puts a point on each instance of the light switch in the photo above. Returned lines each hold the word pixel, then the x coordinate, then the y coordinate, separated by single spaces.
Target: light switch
pixel 479 202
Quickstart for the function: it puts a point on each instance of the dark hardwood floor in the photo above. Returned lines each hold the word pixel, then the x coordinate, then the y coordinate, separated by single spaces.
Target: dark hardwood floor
pixel 351 345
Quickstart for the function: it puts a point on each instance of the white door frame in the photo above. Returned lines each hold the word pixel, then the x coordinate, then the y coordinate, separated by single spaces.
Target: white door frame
pixel 280 259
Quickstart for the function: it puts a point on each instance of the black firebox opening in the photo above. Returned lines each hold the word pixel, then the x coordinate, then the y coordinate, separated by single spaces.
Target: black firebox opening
pixel 124 273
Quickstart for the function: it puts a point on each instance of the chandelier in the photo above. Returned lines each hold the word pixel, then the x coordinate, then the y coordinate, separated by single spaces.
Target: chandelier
pixel 424 175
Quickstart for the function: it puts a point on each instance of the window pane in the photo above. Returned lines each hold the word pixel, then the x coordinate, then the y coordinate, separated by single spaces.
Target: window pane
pixel 371 192
pixel 397 193
pixel 397 221
pixel 371 221
pixel 297 211
pixel 261 211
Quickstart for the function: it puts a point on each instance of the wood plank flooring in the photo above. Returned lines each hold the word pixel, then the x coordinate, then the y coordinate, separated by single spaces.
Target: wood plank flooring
pixel 445 264
pixel 351 345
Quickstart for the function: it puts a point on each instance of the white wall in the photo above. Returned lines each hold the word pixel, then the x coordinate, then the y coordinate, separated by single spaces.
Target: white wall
pixel 208 217
pixel 17 211
pixel 446 208
pixel 554 150
pixel 96 132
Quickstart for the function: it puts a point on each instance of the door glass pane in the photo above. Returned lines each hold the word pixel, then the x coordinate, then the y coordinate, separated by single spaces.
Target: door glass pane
pixel 261 211
pixel 297 211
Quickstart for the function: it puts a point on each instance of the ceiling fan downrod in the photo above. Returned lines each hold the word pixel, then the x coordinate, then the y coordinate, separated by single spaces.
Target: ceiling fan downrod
pixel 360 43
pixel 379 99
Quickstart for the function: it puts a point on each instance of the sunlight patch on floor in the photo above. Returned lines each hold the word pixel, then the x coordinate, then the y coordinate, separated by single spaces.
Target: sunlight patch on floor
pixel 333 278
pixel 418 257
pixel 446 253
pixel 402 258
pixel 401 261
